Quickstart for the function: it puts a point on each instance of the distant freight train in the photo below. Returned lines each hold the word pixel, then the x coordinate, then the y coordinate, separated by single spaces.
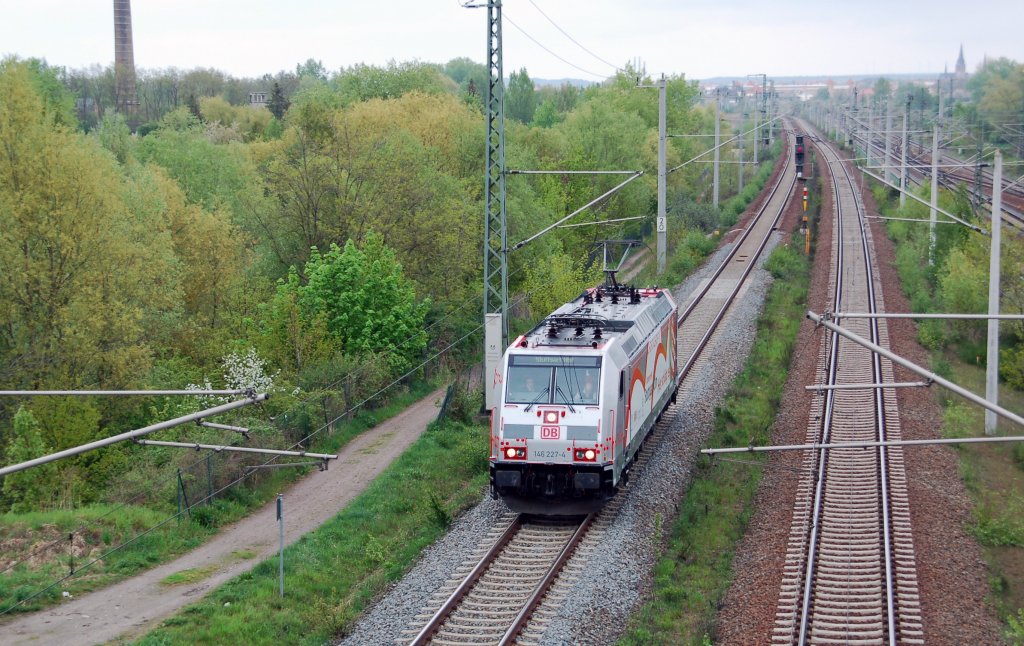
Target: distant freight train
pixel 581 392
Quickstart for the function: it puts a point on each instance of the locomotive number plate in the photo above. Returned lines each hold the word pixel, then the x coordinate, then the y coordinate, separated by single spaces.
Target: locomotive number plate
pixel 548 454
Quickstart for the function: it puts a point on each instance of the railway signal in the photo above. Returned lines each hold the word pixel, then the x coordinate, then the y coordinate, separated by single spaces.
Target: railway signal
pixel 804 229
pixel 798 157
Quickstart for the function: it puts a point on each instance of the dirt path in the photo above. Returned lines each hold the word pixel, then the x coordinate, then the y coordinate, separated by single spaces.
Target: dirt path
pixel 134 605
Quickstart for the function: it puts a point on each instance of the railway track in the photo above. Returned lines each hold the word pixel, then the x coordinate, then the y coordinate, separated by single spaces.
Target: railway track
pixel 509 590
pixel 708 305
pixel 919 173
pixel 850 574
pixel 515 581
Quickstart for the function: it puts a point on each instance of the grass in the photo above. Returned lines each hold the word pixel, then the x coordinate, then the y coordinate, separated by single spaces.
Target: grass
pixel 190 575
pixel 332 574
pixel 99 528
pixel 994 477
pixel 696 568
pixel 39 540
pixel 992 473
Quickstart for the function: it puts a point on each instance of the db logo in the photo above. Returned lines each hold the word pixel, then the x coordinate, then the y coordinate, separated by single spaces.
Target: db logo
pixel 549 432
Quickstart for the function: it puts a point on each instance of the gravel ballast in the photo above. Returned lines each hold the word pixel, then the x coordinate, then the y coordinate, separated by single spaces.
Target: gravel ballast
pixel 950 569
pixel 608 588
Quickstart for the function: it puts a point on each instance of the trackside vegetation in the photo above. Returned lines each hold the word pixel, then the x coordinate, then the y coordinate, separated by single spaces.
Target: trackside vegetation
pixel 41 547
pixel 696 568
pixel 957 282
pixel 332 574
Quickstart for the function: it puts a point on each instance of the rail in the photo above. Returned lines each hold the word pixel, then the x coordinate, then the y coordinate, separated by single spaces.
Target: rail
pixel 694 303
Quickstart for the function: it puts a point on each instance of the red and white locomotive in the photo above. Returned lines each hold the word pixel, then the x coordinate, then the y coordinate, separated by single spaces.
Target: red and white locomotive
pixel 581 392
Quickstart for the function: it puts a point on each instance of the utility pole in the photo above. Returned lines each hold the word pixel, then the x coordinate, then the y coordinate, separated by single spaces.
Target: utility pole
pixel 764 100
pixel 886 173
pixel 853 123
pixel 760 111
pixel 662 138
pixel 992 363
pixel 933 218
pixel 871 134
pixel 495 222
pixel 662 223
pixel 903 155
pixel 718 135
pixel 936 162
pixel 739 182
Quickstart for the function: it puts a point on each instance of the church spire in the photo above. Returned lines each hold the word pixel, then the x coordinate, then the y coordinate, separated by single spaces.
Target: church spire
pixel 961 67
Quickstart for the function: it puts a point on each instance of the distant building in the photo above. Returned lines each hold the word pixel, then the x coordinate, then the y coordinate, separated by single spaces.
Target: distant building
pixel 958 81
pixel 258 99
pixel 960 73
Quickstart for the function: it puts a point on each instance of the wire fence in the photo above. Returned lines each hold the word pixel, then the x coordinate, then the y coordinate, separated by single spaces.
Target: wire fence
pixel 197 486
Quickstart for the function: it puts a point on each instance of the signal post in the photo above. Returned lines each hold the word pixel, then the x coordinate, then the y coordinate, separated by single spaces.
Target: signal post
pixel 798 161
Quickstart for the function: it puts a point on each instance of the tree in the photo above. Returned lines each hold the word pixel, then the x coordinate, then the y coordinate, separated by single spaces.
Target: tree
pixel 277 105
pixel 520 97
pixel 883 91
pixel 311 68
pixel 81 273
pixel 366 301
pixel 546 115
pixel 364 82
pixel 31 489
pixel 554 281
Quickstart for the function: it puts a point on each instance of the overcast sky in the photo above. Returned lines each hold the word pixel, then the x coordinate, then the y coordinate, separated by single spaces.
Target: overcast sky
pixel 698 39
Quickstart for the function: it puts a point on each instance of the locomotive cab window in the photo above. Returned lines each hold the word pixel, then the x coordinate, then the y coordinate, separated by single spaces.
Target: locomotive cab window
pixel 553 379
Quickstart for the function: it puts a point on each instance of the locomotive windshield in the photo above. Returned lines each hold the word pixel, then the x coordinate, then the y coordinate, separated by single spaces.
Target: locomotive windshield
pixel 537 379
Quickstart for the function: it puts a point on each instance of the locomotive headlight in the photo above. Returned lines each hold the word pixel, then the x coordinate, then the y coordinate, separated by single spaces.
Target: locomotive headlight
pixel 551 417
pixel 510 452
pixel 590 455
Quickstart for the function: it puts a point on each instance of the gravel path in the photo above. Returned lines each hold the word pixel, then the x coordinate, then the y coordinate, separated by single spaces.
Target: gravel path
pixel 610 585
pixel 136 604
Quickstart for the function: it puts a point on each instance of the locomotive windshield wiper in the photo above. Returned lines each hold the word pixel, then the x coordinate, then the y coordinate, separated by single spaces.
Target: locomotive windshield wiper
pixel 559 391
pixel 536 399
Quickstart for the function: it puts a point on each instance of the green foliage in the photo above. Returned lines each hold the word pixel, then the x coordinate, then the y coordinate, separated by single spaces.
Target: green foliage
pixel 115 136
pixel 351 558
pixel 520 97
pixel 957 281
pixel 226 122
pixel 957 420
pixel 57 104
pixel 211 175
pixel 364 82
pixel 1011 366
pixel 439 515
pixel 32 488
pixel 391 166
pixel 79 267
pixel 1015 632
pixel 696 568
pixel 999 527
pixel 998 89
pixel 277 104
pixel 360 297
pixel 554 281
pixel 546 115
pixel 1018 454
pixel 95 530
